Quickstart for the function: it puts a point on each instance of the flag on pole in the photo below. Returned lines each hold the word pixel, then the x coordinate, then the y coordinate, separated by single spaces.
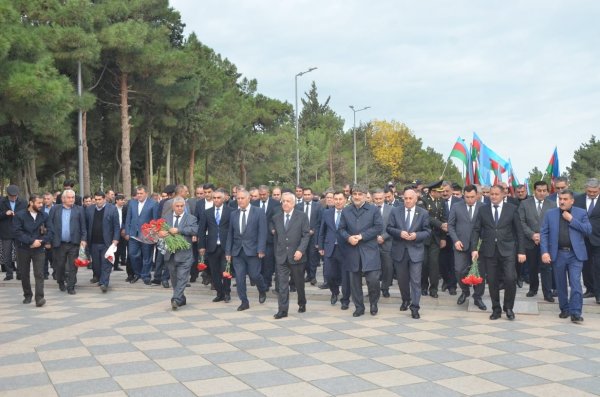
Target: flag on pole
pixel 552 169
pixel 460 152
pixel 512 179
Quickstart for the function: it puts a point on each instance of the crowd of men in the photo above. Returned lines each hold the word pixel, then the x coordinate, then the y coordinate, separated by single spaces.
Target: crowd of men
pixel 423 236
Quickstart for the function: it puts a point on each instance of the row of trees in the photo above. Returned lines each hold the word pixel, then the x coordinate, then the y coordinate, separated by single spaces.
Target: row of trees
pixel 159 107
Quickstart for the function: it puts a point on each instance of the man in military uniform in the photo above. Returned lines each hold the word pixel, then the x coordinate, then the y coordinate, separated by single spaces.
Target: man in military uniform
pixel 431 272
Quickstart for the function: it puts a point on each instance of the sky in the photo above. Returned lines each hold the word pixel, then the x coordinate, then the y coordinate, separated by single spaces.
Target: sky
pixel 523 75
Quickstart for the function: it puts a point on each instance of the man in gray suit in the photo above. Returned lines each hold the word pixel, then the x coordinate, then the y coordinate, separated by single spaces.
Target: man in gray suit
pixel 67 233
pixel 460 225
pixel 291 234
pixel 360 224
pixel 409 227
pixel 531 213
pixel 385 242
pixel 180 262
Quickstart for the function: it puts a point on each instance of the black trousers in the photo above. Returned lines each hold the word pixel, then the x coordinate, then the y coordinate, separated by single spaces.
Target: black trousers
pixel 537 266
pixel 284 271
pixel 64 258
pixel 26 257
pixel 216 263
pixel 501 268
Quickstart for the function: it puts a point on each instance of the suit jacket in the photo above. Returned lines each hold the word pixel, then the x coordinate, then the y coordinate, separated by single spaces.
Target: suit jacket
pixel 420 225
pixel 77 226
pixel 328 235
pixel 531 222
pixel 460 226
pixel 208 230
pixel 6 222
pixel 254 238
pixel 512 200
pixel 507 235
pixel 294 238
pixel 273 208
pixel 134 222
pixel 367 222
pixel 579 228
pixel 387 239
pixel 188 227
pixel 28 229
pixel 594 217
pixel 315 214
pixel 110 223
pixel 453 201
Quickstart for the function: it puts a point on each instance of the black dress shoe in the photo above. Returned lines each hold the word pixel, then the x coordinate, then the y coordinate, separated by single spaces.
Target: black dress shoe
pixel 46 276
pixel 8 278
pixel 313 281
pixel 174 304
pixel 165 284
pixel 495 315
pixel 358 313
pixel 324 286
pixel 301 308
pixel 334 299
pixel 564 314
pixel 433 294
pixel 530 294
pixel 135 279
pixel 374 310
pixel 218 299
pixel 193 279
pixel 404 306
pixel 103 288
pixel 414 313
pixel 344 306
pixel 549 299
pixel 147 282
pixel 307 279
pixel 385 293
pixel 62 287
pixel 555 293
pixel 227 298
pixel 155 282
pixel 462 298
pixel 118 269
pixel 576 319
pixel 452 291
pixel 510 314
pixel 292 288
pixel 444 286
pixel 520 282
pixel 279 315
pixel 262 297
pixel 424 292
pixel 71 291
pixel 243 306
pixel 587 294
pixel 479 303
pixel 27 300
pixel 129 278
pixel 93 280
pixel 40 302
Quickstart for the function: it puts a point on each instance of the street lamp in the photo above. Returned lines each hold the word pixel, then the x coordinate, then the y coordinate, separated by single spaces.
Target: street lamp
pixel 297 126
pixel 354 133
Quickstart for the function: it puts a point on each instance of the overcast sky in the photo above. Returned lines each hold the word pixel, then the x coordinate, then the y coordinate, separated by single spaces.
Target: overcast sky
pixel 523 75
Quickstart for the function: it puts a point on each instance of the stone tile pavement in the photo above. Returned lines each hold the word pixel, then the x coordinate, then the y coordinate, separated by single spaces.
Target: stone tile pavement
pixel 130 342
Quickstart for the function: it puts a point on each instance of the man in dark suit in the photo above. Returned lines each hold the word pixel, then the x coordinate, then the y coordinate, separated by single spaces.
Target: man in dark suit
pixel 212 239
pixel 69 184
pixel 460 226
pixel 140 211
pixel 270 207
pixel 30 238
pixel 430 273
pixel 9 206
pixel 67 232
pixel 313 210
pixel 180 262
pixel 246 244
pixel 103 231
pixel 360 224
pixel 561 183
pixel 446 265
pixel 48 203
pixel 290 230
pixel 409 227
pixel 531 213
pixel 591 267
pixel 121 257
pixel 385 242
pixel 563 244
pixel 499 228
pixel 331 247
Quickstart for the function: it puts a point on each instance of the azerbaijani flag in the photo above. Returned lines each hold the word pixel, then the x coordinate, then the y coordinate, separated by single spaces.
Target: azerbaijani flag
pixel 459 151
pixel 552 168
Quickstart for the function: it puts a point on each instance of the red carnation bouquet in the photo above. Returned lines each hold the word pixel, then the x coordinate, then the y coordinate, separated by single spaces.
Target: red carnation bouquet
pixel 201 265
pixel 473 277
pixel 227 272
pixel 82 259
pixel 172 243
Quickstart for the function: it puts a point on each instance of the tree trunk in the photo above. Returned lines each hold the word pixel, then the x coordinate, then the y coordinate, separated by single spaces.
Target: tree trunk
pixel 206 175
pixel 331 174
pixel 125 141
pixel 87 183
pixel 192 163
pixel 150 165
pixel 168 164
pixel 243 170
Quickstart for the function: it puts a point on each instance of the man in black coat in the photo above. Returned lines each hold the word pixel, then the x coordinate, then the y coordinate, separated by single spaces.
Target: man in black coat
pixel 591 267
pixel 9 206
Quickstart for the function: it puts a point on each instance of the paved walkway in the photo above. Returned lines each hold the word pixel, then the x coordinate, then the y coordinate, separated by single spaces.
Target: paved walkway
pixel 130 342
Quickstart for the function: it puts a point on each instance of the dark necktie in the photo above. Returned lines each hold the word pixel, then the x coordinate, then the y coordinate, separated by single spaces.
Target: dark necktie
pixel 243 229
pixel 287 221
pixel 337 219
pixel 496 214
pixel 407 220
pixel 176 221
pixel 591 207
pixel 539 209
pixel 217 216
pixel 470 212
pixel 307 210
pixel 263 206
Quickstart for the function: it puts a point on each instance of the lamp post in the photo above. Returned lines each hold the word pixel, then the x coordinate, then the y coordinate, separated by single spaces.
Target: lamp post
pixel 297 125
pixel 354 134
